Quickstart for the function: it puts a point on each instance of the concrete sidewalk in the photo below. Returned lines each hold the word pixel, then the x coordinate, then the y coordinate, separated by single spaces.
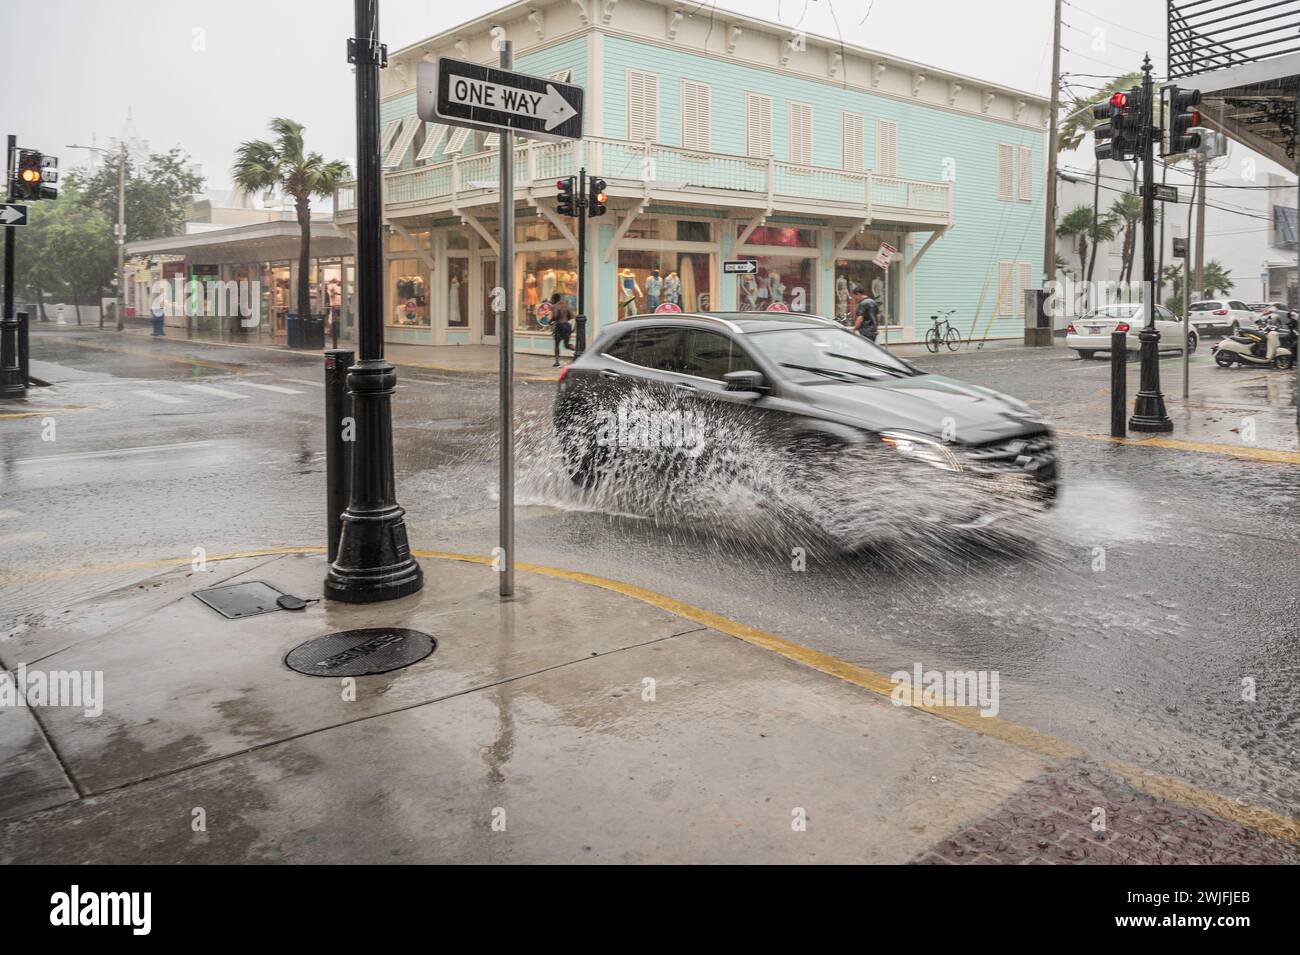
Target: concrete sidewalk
pixel 584 721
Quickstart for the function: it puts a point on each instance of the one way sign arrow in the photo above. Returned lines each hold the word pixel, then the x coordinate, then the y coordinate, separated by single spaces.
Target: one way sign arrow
pixel 482 97
pixel 11 213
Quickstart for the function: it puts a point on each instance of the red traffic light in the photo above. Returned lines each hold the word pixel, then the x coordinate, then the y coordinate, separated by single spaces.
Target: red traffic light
pixel 562 184
pixel 1119 99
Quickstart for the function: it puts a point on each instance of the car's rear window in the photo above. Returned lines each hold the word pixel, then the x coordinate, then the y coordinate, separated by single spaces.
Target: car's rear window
pixel 1114 311
pixel 1204 306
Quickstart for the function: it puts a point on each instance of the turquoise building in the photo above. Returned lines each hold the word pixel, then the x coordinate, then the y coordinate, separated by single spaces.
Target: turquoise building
pixel 720 137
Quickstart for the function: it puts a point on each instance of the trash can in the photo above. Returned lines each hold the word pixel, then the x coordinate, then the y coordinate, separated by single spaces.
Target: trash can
pixel 291 331
pixel 158 319
pixel 313 331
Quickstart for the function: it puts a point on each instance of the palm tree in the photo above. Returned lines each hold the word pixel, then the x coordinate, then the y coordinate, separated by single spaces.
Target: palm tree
pixel 1127 210
pixel 1216 278
pixel 1103 230
pixel 1077 225
pixel 282 164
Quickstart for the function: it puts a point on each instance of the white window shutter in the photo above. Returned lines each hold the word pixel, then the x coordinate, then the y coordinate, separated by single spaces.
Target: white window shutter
pixel 390 131
pixel 886 147
pixel 801 142
pixel 432 139
pixel 402 143
pixel 642 106
pixel 456 142
pixel 758 125
pixel 1005 173
pixel 1025 281
pixel 695 116
pixel 1006 289
pixel 1026 173
pixel 855 157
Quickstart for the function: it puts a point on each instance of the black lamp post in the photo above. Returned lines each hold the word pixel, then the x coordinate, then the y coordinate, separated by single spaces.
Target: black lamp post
pixel 374 559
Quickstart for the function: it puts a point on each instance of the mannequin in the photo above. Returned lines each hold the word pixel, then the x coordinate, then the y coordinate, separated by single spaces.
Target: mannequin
pixel 748 293
pixel 673 289
pixel 629 291
pixel 841 296
pixel 775 290
pixel 453 303
pixel 548 284
pixel 654 287
pixel 531 295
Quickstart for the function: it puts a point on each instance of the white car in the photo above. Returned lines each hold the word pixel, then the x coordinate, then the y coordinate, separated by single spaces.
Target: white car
pixel 1091 333
pixel 1221 314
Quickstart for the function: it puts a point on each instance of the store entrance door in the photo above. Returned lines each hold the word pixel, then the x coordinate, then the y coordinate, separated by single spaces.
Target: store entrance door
pixel 489 311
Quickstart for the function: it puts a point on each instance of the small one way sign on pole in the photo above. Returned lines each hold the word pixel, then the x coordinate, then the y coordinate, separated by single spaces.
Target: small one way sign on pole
pixel 484 97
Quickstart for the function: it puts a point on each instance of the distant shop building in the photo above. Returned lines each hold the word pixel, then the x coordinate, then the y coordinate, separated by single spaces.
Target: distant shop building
pixel 720 137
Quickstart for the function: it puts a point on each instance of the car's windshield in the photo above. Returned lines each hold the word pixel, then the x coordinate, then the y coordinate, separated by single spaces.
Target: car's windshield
pixel 835 351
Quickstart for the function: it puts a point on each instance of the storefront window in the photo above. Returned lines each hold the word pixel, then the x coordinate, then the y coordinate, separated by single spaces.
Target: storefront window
pixel 536 230
pixel 544 274
pixel 648 279
pixel 781 235
pixel 410 302
pixel 457 292
pixel 855 278
pixel 787 279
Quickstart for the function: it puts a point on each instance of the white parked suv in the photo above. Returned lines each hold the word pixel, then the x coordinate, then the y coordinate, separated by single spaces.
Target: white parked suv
pixel 1225 315
pixel 1091 333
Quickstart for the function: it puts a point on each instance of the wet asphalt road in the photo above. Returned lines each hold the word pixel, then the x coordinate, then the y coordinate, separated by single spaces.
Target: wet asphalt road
pixel 165 447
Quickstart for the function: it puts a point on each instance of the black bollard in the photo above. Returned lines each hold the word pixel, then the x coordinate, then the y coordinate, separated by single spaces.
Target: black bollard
pixel 1118 384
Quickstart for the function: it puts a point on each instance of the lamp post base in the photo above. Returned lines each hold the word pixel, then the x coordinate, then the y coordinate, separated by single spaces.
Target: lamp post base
pixel 1149 413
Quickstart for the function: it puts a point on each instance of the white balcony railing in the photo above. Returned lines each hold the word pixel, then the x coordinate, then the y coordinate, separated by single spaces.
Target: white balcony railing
pixel 663 169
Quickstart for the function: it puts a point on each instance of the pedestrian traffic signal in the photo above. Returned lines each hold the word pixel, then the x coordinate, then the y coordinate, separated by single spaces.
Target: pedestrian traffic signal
pixel 1184 134
pixel 597 200
pixel 567 204
pixel 1117 131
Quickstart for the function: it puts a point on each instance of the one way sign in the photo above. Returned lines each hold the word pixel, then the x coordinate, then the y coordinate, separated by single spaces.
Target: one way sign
pixel 483 97
pixel 11 213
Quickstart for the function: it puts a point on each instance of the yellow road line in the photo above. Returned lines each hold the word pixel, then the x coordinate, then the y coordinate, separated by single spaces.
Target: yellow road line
pixel 43 411
pixel 1270 455
pixel 1284 828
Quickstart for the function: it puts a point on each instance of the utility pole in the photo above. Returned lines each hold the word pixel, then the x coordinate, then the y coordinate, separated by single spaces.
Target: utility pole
pixel 1199 284
pixel 374 559
pixel 120 229
pixel 1049 225
pixel 1187 280
pixel 1149 410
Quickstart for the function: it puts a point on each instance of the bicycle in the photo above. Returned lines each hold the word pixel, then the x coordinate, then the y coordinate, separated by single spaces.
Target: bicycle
pixel 949 336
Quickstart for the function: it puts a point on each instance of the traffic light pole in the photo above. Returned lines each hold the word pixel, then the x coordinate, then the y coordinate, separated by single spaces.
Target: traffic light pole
pixel 580 343
pixel 1149 410
pixel 12 382
pixel 374 559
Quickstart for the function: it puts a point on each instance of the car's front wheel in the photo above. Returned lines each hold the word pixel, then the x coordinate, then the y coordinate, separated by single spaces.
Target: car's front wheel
pixel 1192 342
pixel 583 458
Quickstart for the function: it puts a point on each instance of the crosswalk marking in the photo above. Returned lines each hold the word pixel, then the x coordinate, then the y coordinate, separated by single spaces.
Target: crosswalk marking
pixel 160 396
pixel 304 381
pixel 276 388
pixel 219 392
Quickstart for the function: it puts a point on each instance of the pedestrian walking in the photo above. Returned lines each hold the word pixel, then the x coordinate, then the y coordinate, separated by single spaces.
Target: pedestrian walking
pixel 561 325
pixel 866 322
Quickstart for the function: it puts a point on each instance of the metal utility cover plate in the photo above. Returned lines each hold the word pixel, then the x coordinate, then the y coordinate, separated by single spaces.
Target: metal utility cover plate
pixel 241 600
pixel 360 652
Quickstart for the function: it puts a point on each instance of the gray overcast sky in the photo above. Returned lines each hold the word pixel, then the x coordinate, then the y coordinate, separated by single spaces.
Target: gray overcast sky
pixel 206 74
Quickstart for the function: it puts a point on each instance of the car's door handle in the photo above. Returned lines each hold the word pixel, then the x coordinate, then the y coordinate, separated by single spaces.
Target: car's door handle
pixel 606 373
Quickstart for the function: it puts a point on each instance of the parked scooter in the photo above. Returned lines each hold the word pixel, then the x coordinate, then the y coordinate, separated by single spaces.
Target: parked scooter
pixel 1268 345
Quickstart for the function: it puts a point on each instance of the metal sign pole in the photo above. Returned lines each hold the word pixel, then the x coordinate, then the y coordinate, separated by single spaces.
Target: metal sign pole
pixel 507 335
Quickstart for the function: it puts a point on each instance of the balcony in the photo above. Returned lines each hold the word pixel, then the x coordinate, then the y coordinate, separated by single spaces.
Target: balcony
pixel 669 174
pixel 1206 36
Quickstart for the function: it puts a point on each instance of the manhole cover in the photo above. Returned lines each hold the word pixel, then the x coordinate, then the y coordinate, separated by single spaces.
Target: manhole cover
pixel 241 600
pixel 360 652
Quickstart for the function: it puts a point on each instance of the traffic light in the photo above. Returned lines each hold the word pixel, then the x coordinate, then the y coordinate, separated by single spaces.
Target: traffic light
pixel 35 175
pixel 28 175
pixel 1105 127
pixel 567 204
pixel 1184 122
pixel 597 201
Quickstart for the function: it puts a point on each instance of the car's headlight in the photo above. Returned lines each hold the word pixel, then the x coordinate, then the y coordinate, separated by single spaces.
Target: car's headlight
pixel 921 448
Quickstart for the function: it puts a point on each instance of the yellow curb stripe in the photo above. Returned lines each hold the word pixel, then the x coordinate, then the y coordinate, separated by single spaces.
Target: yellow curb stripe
pixel 45 411
pixel 1284 828
pixel 1270 455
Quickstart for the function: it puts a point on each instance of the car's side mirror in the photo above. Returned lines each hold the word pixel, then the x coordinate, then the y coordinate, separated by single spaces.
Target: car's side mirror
pixel 746 382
